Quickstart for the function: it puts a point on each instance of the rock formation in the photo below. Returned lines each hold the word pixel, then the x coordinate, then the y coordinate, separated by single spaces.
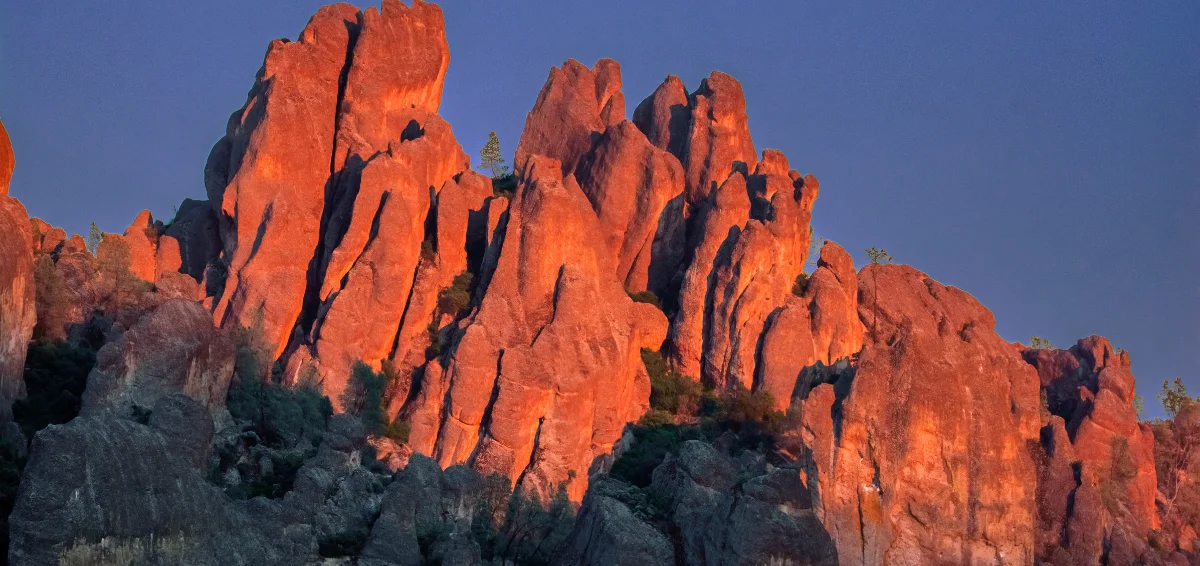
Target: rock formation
pixel 17 302
pixel 1100 479
pixel 922 455
pixel 173 349
pixel 511 319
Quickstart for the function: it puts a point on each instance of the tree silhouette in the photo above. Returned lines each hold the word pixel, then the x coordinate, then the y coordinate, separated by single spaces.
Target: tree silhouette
pixel 877 256
pixel 94 237
pixel 490 158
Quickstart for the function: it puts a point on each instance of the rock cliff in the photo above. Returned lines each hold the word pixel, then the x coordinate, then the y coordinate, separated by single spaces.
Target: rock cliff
pixel 526 330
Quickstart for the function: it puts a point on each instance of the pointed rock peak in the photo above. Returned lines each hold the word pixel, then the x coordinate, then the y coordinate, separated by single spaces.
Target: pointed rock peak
pixel 395 76
pixel 572 110
pixel 835 258
pixel 6 160
pixel 143 221
pixel 773 162
pixel 664 116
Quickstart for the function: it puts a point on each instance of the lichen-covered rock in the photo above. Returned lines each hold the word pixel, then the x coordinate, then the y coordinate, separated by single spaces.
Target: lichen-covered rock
pixel 114 480
pixel 173 349
pixel 606 532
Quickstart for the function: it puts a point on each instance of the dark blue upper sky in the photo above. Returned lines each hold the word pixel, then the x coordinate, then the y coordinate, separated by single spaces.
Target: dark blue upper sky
pixel 1044 156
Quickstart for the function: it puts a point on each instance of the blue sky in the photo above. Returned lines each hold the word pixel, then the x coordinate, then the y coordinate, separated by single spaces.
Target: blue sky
pixel 1043 156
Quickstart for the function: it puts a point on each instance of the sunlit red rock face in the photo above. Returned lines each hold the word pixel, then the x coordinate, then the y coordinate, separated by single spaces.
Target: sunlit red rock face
pixel 17 306
pixel 923 455
pixel 1089 392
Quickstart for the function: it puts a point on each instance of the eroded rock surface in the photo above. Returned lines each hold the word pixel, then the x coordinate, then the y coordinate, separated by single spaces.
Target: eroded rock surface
pixel 17 287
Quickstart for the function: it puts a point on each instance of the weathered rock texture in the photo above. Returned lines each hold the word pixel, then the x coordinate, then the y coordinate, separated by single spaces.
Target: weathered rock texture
pixel 17 286
pixel 344 225
pixel 1099 482
pixel 923 454
pixel 820 326
pixel 173 349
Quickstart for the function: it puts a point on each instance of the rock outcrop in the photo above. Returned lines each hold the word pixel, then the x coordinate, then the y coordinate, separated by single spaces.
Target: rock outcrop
pixel 819 326
pixel 574 107
pixel 510 318
pixel 1099 482
pixel 17 286
pixel 923 454
pixel 173 349
pixel 551 356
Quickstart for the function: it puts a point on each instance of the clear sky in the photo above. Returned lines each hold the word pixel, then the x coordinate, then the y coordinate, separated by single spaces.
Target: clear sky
pixel 1044 156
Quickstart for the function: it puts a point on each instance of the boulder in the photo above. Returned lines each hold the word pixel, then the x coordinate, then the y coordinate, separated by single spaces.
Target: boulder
pixel 103 486
pixel 606 532
pixel 173 349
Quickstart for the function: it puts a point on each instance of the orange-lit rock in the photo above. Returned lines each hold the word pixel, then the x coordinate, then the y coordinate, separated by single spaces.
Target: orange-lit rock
pixel 46 238
pixel 270 187
pixel 552 285
pixel 7 161
pixel 758 274
pixel 635 189
pixel 574 107
pixel 718 136
pixel 1090 389
pixel 718 227
pixel 17 303
pixel 821 325
pixel 142 239
pixel 382 249
pixel 664 116
pixel 922 456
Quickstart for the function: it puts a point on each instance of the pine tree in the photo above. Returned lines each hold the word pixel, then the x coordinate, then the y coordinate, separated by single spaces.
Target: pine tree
pixel 490 158
pixel 93 239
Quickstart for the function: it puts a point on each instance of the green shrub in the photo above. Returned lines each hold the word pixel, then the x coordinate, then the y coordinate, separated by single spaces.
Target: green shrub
pixel 281 416
pixel 647 297
pixel 505 186
pixel 457 297
pixel 741 406
pixel 650 447
pixel 398 431
pixel 55 377
pixel 427 251
pixel 656 418
pixel 364 398
pixel 800 285
pixel 670 391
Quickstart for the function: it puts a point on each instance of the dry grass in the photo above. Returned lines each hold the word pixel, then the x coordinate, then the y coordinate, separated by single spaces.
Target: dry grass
pixel 111 551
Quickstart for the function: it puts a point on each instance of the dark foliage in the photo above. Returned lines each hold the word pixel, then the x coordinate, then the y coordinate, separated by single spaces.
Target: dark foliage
pixel 343 544
pixel 55 377
pixel 670 391
pixel 647 297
